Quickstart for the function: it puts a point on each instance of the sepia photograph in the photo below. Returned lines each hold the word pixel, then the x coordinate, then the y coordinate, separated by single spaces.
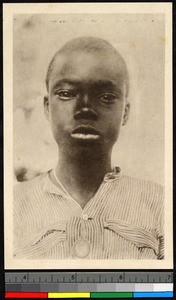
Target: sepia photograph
pixel 88 148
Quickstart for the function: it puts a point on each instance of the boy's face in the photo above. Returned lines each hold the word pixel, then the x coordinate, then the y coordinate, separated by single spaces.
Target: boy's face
pixel 86 103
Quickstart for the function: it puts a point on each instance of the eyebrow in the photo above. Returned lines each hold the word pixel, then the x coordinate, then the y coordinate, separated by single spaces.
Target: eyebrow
pixel 66 81
pixel 99 83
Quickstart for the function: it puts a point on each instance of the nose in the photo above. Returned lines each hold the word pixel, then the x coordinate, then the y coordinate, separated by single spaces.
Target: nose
pixel 85 109
pixel 85 99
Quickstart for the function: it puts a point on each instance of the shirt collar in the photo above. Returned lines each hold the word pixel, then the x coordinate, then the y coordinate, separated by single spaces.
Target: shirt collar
pixel 50 187
pixel 114 175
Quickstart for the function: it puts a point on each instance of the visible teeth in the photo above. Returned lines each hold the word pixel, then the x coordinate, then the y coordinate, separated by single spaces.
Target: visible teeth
pixel 84 136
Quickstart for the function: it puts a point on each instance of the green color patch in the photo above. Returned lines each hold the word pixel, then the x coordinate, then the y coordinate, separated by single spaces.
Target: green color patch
pixel 111 295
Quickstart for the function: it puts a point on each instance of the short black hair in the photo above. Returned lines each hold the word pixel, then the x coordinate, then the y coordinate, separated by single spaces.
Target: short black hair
pixel 90 45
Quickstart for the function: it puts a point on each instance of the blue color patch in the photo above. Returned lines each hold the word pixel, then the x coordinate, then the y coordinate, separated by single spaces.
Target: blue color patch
pixel 153 295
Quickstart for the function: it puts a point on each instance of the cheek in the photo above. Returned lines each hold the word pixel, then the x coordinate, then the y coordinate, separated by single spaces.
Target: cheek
pixel 113 118
pixel 61 113
pixel 112 123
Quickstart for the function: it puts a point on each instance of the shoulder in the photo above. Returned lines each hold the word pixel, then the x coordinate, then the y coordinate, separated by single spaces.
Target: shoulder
pixel 142 185
pixel 25 191
pixel 25 186
pixel 141 192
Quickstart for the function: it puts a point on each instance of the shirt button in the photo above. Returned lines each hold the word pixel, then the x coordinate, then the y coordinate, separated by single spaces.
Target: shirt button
pixel 85 217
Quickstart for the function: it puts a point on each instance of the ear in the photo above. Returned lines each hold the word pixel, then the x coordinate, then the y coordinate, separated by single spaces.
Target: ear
pixel 46 106
pixel 126 113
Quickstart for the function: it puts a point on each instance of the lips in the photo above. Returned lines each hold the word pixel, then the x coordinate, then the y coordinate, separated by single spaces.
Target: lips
pixel 85 132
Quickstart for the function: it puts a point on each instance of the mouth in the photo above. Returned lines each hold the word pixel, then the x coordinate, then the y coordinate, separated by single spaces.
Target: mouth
pixel 85 132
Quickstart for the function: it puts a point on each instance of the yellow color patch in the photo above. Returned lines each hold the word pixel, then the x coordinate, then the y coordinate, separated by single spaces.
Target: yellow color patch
pixel 68 295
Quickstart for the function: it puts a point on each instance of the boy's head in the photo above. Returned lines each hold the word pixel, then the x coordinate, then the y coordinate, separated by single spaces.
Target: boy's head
pixel 87 88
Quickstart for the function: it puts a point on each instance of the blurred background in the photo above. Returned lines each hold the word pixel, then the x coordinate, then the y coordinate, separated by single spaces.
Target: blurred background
pixel 140 39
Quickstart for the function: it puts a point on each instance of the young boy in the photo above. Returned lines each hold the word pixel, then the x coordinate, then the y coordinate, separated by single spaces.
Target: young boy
pixel 83 208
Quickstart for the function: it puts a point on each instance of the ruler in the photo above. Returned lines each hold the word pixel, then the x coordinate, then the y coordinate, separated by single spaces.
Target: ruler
pixel 88 277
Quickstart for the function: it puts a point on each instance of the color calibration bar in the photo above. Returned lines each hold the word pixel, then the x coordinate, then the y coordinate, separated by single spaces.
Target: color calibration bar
pixel 89 285
pixel 90 295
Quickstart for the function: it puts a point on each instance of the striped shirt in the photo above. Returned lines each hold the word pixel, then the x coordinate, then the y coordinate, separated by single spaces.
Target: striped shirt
pixel 123 220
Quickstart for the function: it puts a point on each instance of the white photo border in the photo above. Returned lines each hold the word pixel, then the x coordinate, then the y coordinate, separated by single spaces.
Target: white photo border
pixel 9 10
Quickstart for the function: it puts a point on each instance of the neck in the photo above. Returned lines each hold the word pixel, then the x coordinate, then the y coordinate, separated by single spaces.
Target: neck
pixel 82 176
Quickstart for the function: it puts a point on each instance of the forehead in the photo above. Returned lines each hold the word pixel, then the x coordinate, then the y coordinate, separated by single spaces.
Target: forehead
pixel 84 66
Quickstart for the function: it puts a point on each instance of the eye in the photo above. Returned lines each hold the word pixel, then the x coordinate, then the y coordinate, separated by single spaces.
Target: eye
pixel 65 95
pixel 108 98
